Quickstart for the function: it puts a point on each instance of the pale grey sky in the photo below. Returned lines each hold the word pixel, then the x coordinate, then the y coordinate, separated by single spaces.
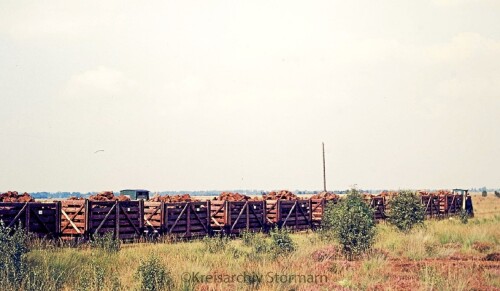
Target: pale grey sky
pixel 240 94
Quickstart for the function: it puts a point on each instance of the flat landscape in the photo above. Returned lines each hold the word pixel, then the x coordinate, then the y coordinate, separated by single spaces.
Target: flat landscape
pixel 442 255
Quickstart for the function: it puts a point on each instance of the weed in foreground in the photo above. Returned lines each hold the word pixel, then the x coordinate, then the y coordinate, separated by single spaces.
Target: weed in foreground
pixel 248 238
pixel 215 244
pixel 13 250
pixel 282 243
pixel 106 242
pixel 153 275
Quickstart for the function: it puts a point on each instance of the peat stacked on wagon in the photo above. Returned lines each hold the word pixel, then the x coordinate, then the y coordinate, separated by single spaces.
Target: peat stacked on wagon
pixel 233 213
pixel 318 204
pixel 285 209
pixel 122 218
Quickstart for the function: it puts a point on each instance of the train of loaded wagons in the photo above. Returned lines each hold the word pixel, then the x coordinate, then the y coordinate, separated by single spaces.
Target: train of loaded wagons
pixel 134 215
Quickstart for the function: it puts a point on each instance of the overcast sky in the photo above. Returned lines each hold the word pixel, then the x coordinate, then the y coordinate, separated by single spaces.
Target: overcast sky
pixel 195 95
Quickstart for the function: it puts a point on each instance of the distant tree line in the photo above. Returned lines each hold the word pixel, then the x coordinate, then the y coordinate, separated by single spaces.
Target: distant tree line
pixel 56 195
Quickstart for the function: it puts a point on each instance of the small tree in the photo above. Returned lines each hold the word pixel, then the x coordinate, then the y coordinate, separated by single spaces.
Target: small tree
pixel 406 211
pixel 153 275
pixel 484 193
pixel 351 223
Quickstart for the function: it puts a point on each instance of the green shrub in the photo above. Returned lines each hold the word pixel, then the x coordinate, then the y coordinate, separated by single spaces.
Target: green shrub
pixel 13 250
pixel 484 193
pixel 497 193
pixel 406 211
pixel 215 244
pixel 281 242
pixel 153 275
pixel 105 242
pixel 351 223
pixel 326 230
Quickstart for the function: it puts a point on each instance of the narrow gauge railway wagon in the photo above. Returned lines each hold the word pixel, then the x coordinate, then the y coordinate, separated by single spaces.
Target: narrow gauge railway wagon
pixel 431 205
pixel 74 218
pixel 122 218
pixel 41 219
pixel 453 203
pixel 233 217
pixel 293 214
pixel 186 219
pixel 318 210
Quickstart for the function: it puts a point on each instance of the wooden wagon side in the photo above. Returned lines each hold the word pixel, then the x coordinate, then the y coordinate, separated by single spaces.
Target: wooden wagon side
pixel 431 205
pixel 41 219
pixel 187 219
pixel 272 215
pixel 454 204
pixel 245 215
pixel 443 204
pixel 74 219
pixel 318 210
pixel 122 218
pixel 218 215
pixel 153 219
pixel 293 214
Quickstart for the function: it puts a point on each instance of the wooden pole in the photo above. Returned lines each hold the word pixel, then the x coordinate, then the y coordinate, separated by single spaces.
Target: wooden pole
pixel 324 168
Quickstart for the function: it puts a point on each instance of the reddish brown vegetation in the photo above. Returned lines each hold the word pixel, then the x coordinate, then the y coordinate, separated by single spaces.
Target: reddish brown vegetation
pixel 482 246
pixel 495 257
pixel 328 253
pixel 13 196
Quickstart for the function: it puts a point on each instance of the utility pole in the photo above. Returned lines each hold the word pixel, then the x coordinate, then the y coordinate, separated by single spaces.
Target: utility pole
pixel 324 168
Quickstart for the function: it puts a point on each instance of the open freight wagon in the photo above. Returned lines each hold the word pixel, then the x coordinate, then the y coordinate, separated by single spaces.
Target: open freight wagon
pixel 233 217
pixel 41 219
pixel 293 214
pixel 178 219
pixel 122 218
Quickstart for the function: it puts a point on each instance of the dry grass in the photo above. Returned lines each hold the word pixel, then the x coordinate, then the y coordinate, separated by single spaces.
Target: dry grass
pixel 443 255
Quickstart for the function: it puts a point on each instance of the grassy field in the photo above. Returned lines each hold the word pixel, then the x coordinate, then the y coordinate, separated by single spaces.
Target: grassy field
pixel 443 255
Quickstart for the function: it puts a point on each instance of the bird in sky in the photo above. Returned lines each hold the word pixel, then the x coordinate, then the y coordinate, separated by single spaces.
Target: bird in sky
pixel 98 151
